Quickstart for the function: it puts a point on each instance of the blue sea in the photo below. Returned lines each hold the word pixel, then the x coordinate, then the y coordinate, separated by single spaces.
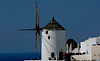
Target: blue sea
pixel 18 56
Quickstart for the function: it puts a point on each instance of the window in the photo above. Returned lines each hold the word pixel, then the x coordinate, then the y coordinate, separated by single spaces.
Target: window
pixel 46 32
pixel 48 37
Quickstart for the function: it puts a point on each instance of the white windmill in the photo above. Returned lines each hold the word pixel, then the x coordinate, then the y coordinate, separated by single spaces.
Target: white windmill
pixel 53 42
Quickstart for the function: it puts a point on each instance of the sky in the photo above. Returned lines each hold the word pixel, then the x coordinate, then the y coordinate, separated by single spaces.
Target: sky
pixel 80 18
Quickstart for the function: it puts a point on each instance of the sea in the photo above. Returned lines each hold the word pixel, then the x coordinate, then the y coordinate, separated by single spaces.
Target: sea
pixel 19 56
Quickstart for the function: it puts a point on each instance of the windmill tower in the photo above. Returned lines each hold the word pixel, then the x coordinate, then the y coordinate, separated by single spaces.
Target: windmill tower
pixel 53 41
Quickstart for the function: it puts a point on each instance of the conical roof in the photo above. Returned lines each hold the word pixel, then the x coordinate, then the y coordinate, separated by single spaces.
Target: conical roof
pixel 53 25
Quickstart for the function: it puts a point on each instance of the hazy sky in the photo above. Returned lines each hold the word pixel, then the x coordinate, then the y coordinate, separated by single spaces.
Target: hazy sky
pixel 80 18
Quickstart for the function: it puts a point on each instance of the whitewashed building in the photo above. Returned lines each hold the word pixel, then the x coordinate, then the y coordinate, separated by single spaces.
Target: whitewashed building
pixel 53 41
pixel 92 49
pixel 86 45
pixel 94 54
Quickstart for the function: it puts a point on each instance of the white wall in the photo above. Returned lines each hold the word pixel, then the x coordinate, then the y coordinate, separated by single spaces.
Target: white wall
pixel 98 40
pixel 54 44
pixel 82 57
pixel 90 46
pixel 95 52
pixel 86 45
pixel 75 50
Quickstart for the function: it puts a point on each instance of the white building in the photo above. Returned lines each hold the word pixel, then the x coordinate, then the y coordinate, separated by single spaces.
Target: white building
pixel 86 45
pixel 92 49
pixel 53 41
pixel 94 54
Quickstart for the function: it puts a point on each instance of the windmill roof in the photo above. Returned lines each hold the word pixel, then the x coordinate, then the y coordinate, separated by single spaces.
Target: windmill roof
pixel 53 25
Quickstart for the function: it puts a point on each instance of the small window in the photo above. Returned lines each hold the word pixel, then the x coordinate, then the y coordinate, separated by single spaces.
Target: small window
pixel 46 32
pixel 48 37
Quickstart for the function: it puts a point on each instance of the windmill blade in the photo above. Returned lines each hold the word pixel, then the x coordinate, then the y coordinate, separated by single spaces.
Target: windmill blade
pixel 36 39
pixel 36 42
pixel 36 3
pixel 40 28
pixel 39 17
pixel 39 41
pixel 26 29
pixel 36 17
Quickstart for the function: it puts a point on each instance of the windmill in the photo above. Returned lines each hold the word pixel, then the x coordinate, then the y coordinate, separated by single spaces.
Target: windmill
pixel 53 37
pixel 36 28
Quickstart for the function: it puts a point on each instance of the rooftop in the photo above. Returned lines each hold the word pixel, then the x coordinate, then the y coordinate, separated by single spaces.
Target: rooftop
pixel 53 25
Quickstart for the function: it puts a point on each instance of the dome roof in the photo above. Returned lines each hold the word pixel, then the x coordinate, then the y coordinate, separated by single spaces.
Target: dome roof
pixel 53 25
